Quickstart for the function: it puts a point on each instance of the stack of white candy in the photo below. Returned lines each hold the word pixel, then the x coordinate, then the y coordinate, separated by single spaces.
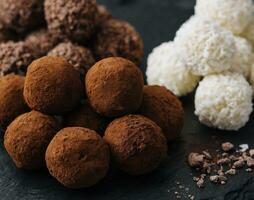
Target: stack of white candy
pixel 216 44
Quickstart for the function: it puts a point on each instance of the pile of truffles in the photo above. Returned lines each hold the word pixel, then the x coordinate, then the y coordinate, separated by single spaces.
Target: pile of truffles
pixel 72 123
pixel 216 45
pixel 81 31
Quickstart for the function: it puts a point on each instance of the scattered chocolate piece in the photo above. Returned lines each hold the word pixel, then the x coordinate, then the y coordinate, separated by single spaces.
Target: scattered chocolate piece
pixel 201 183
pixel 239 164
pixel 207 155
pixel 230 172
pixel 249 170
pixel 223 161
pixel 250 162
pixel 227 146
pixel 251 152
pixel 214 178
pixel 243 147
pixel 196 159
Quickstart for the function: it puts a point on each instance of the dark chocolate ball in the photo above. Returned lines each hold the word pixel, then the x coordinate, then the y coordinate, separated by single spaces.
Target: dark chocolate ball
pixel 74 19
pixel 27 137
pixel 77 157
pixel 118 38
pixel 136 143
pixel 14 57
pixel 114 87
pixel 85 116
pixel 103 14
pixel 41 42
pixel 12 103
pixel 165 109
pixel 80 57
pixel 21 15
pixel 52 86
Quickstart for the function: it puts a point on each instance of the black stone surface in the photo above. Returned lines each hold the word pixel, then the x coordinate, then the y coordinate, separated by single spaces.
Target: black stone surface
pixel 157 21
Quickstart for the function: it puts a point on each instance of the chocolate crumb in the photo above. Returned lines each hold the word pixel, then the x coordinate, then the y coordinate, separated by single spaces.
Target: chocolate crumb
pixel 227 146
pixel 196 159
pixel 251 152
pixel 250 162
pixel 230 172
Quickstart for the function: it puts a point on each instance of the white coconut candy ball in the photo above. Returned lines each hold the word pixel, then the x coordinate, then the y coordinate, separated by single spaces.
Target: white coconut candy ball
pixel 224 101
pixel 207 47
pixel 233 15
pixel 249 32
pixel 167 67
pixel 243 58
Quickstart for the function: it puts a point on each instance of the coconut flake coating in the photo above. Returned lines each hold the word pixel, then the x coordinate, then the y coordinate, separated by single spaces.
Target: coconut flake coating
pixel 74 19
pixel 248 33
pixel 27 137
pixel 230 14
pixel 21 15
pixel 114 87
pixel 243 58
pixel 41 42
pixel 14 57
pixel 12 103
pixel 167 67
pixel 207 47
pixel 52 86
pixel 77 157
pixel 136 143
pixel 224 101
pixel 119 38
pixel 80 57
pixel 85 116
pixel 165 109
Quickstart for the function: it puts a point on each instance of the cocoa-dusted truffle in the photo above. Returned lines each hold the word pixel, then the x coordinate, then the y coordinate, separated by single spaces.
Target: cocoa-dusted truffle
pixel 14 57
pixel 74 19
pixel 77 157
pixel 103 14
pixel 85 116
pixel 27 137
pixel 165 109
pixel 21 15
pixel 12 103
pixel 119 38
pixel 41 42
pixel 52 86
pixel 80 57
pixel 136 143
pixel 114 86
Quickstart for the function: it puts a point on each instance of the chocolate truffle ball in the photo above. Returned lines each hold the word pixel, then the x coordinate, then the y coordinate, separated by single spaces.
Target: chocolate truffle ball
pixel 119 38
pixel 27 137
pixel 77 157
pixel 41 42
pixel 74 19
pixel 103 14
pixel 136 143
pixel 80 57
pixel 85 116
pixel 12 103
pixel 14 57
pixel 165 109
pixel 114 87
pixel 21 15
pixel 52 86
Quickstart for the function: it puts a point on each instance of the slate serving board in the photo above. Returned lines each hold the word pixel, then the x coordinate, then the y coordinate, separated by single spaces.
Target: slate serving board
pixel 157 21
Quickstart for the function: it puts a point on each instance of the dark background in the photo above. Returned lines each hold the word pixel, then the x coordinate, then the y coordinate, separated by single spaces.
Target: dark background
pixel 157 21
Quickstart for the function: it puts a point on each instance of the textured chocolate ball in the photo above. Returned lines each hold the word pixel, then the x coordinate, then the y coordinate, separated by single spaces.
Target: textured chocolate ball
pixel 22 15
pixel 136 143
pixel 27 137
pixel 165 109
pixel 77 157
pixel 119 38
pixel 85 116
pixel 41 42
pixel 12 103
pixel 14 57
pixel 80 57
pixel 74 19
pixel 103 14
pixel 52 86
pixel 114 87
